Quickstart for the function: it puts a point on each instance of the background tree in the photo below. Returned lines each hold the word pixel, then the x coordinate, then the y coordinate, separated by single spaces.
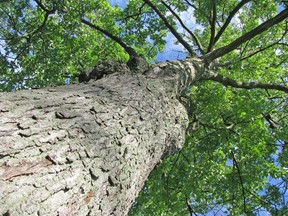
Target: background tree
pixel 235 157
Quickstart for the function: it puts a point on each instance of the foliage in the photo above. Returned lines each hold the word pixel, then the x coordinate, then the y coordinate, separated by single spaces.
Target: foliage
pixel 41 48
pixel 235 158
pixel 229 160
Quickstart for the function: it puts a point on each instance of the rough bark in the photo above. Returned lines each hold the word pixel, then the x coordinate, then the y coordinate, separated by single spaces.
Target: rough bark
pixel 85 149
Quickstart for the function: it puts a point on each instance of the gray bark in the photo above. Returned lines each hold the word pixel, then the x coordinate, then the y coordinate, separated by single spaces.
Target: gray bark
pixel 85 149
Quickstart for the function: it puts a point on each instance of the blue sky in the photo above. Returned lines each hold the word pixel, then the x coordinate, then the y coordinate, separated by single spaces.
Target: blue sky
pixel 172 51
pixel 121 3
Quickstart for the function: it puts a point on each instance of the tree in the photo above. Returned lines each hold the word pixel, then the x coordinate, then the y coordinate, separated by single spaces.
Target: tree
pixel 88 148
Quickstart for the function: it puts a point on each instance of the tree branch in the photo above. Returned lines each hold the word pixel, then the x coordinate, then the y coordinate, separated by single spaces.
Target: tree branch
pixel 196 40
pixel 190 209
pixel 171 28
pixel 249 35
pixel 229 18
pixel 118 40
pixel 136 14
pixel 246 85
pixel 42 25
pixel 212 22
pixel 258 51
pixel 39 3
pixel 241 181
pixel 190 4
pixel 29 35
pixel 264 48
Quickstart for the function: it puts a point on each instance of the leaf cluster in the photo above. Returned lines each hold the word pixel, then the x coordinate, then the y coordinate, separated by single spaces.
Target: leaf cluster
pixel 45 43
pixel 233 159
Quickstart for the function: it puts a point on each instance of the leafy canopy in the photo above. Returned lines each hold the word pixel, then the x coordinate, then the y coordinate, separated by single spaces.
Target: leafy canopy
pixel 235 158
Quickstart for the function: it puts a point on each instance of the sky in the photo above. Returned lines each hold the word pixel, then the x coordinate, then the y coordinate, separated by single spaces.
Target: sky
pixel 172 51
pixel 121 3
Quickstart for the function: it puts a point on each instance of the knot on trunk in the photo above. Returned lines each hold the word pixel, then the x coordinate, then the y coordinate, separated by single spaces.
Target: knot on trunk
pixel 181 73
pixel 102 69
pixel 138 64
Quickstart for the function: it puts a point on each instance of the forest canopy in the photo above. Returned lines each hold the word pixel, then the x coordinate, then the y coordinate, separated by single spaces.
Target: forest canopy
pixel 235 158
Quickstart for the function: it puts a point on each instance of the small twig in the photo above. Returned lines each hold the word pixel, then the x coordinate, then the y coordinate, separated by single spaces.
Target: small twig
pixel 136 14
pixel 190 209
pixel 241 181
pixel 265 48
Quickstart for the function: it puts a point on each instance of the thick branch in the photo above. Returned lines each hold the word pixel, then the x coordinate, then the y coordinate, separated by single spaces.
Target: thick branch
pixel 212 22
pixel 249 35
pixel 229 18
pixel 118 40
pixel 196 40
pixel 171 28
pixel 226 81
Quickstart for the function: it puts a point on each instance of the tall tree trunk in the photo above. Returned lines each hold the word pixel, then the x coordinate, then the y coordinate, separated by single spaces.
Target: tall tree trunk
pixel 85 149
